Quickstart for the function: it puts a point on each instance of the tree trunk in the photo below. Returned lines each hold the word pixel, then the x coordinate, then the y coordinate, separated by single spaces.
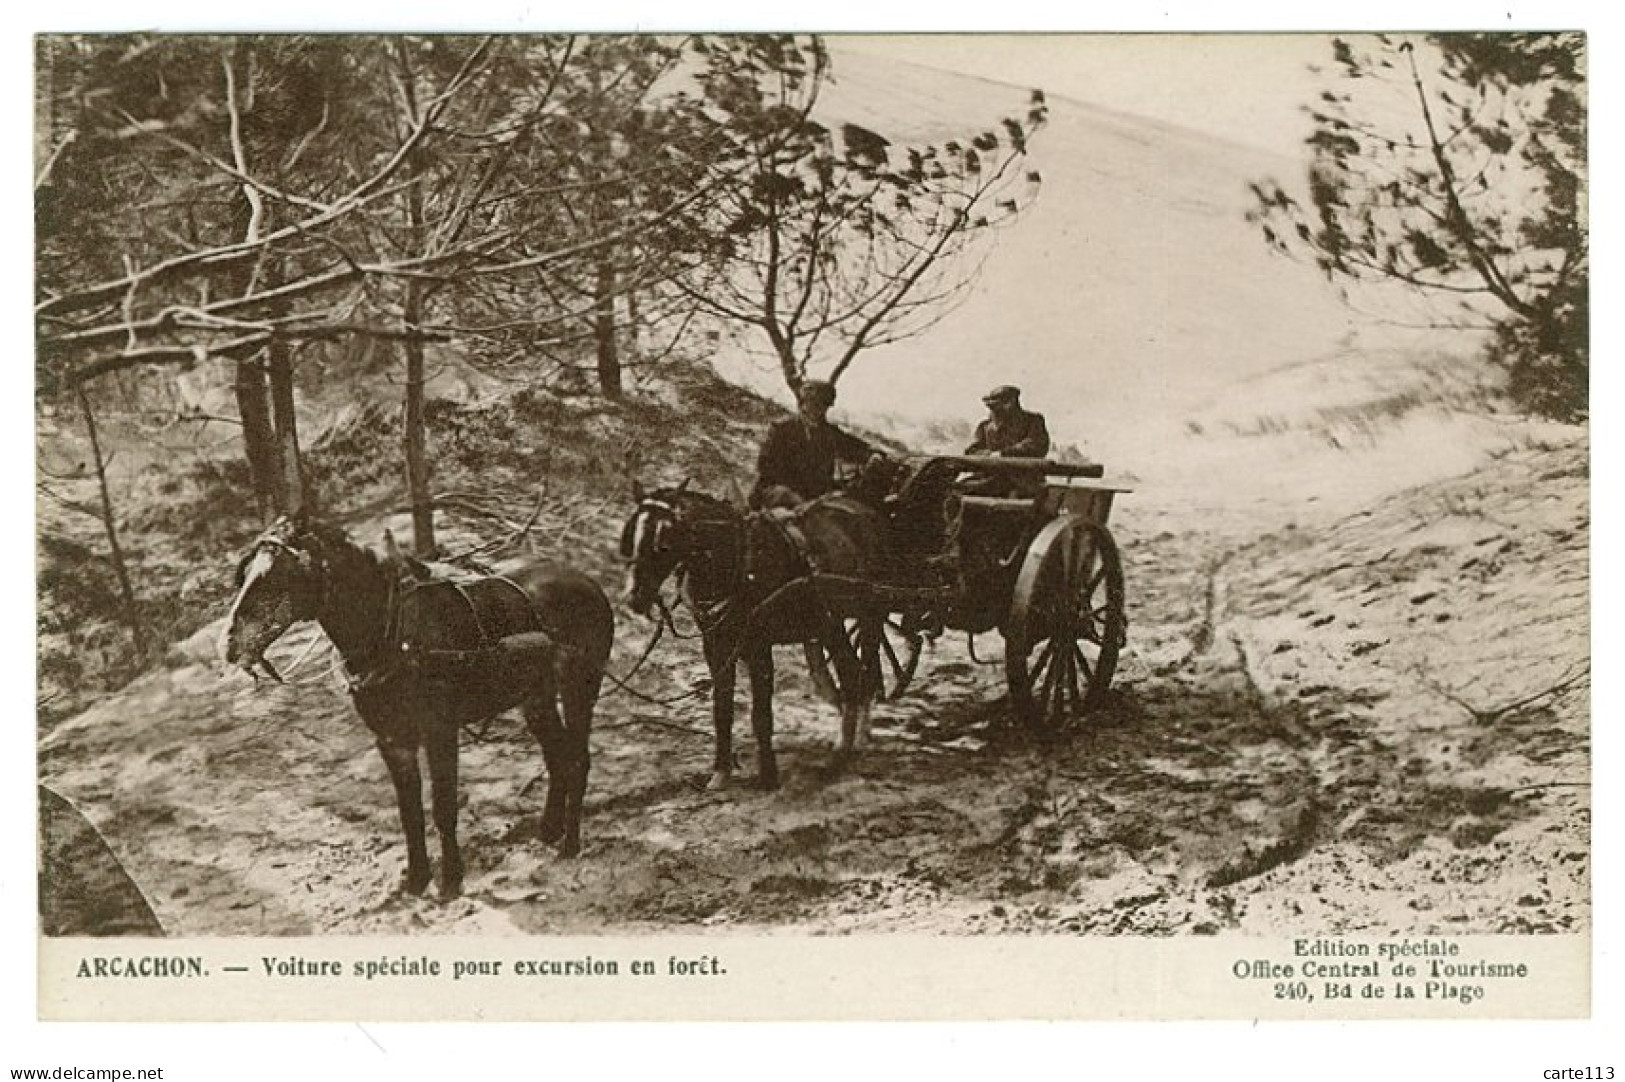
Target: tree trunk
pixel 793 374
pixel 290 472
pixel 603 325
pixel 417 455
pixel 132 614
pixel 259 438
pixel 634 330
pixel 253 393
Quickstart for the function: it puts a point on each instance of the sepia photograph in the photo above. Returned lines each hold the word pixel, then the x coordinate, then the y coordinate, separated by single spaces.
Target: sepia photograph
pixel 513 509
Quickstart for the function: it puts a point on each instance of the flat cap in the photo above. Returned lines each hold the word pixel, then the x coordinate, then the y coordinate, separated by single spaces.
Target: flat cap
pixel 1005 393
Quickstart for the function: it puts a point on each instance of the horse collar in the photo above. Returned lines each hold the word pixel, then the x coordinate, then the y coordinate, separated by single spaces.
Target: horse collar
pixel 794 538
pixel 384 653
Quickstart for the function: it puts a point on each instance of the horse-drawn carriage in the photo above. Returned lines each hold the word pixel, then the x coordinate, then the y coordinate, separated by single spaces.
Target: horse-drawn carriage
pixel 976 544
pixel 860 578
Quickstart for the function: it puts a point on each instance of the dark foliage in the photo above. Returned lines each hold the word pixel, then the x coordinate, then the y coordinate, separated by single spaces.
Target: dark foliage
pixel 1456 165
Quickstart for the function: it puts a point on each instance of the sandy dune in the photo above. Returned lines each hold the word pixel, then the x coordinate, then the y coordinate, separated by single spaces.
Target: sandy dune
pixel 1354 696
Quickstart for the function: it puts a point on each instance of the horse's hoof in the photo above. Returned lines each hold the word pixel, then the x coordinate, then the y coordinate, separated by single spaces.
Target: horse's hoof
pixel 768 781
pixel 570 849
pixel 451 891
pixel 415 884
pixel 550 832
pixel 719 781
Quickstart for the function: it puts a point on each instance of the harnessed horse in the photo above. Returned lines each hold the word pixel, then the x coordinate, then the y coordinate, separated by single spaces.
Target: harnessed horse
pixel 749 580
pixel 426 656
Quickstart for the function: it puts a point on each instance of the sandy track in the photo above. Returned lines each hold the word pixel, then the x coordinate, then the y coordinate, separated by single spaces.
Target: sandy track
pixel 1294 748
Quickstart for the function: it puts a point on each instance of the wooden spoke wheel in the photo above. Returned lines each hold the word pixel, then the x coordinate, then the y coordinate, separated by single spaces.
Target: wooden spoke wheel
pixel 897 658
pixel 1066 623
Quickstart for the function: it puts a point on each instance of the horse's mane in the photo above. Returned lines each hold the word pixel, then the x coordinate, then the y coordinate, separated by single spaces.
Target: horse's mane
pixel 696 504
pixel 330 540
pixel 332 536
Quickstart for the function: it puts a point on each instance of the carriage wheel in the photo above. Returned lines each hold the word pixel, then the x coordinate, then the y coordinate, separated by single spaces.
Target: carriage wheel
pixel 1066 623
pixel 899 657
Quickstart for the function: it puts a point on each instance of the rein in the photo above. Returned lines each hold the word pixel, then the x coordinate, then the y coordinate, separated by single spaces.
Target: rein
pixel 623 683
pixel 299 662
pixel 380 661
pixel 709 615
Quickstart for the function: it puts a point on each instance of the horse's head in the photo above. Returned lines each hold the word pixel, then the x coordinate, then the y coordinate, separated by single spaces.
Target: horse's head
pixel 281 579
pixel 674 527
pixel 651 545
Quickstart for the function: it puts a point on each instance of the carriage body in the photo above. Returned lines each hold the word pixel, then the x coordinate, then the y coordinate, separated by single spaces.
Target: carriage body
pixel 1020 546
pixel 1086 498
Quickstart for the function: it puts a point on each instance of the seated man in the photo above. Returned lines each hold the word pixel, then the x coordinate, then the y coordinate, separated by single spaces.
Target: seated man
pixel 1009 431
pixel 797 460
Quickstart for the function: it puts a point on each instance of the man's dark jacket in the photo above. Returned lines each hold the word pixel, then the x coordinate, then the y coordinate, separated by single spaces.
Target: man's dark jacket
pixel 801 456
pixel 1023 436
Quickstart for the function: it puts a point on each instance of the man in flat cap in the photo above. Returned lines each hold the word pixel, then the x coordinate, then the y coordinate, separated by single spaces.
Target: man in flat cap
pixel 798 458
pixel 1009 431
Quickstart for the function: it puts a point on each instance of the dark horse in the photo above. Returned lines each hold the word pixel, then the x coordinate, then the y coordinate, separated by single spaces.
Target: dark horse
pixel 426 656
pixel 744 575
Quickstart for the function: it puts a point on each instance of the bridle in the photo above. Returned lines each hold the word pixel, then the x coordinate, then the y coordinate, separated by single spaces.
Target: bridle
pixel 708 615
pixel 307 561
pixel 379 657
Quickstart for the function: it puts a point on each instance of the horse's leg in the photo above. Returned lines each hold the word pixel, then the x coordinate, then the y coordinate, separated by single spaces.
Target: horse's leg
pixel 441 743
pixel 849 671
pixel 719 658
pixel 869 668
pixel 761 715
pixel 542 716
pixel 401 757
pixel 580 693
